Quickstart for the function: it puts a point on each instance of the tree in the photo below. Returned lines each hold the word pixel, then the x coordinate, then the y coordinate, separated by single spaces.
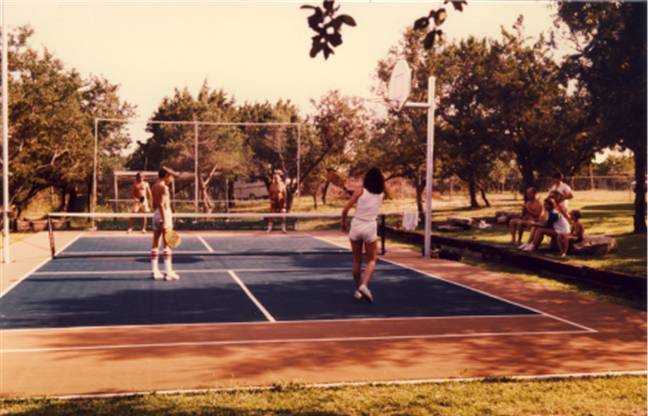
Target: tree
pixel 611 63
pixel 339 124
pixel 222 150
pixel 52 123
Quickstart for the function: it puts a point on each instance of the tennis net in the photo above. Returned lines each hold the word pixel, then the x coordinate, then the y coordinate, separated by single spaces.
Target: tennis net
pixel 237 234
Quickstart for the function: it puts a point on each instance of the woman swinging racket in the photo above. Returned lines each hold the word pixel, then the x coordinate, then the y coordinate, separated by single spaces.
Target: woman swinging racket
pixel 364 230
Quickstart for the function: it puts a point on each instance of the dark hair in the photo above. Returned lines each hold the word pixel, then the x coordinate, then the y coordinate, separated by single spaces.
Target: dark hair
pixel 551 202
pixel 374 181
pixel 558 175
pixel 138 175
pixel 556 196
pixel 576 214
pixel 164 171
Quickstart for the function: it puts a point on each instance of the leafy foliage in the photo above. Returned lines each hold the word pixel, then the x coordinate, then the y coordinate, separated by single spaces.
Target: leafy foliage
pixel 327 26
pixel 437 17
pixel 612 64
pixel 52 113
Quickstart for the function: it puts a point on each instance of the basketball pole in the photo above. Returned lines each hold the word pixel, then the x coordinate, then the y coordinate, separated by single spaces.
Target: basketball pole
pixel 428 167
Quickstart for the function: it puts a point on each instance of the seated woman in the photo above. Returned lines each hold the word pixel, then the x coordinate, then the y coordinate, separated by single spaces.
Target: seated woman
pixel 576 234
pixel 557 223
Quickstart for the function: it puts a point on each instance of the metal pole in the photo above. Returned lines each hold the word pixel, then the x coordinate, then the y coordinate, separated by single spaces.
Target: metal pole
pixel 428 171
pixel 298 171
pixel 94 173
pixel 5 143
pixel 196 171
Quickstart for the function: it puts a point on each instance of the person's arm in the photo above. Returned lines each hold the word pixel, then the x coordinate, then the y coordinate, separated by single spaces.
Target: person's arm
pixel 133 193
pixel 347 207
pixel 149 195
pixel 561 209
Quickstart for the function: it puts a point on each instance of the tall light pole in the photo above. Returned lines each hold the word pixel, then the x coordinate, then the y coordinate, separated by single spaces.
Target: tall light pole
pixel 5 143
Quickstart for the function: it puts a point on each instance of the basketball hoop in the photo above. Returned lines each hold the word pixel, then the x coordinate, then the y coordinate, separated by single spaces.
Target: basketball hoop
pixel 400 86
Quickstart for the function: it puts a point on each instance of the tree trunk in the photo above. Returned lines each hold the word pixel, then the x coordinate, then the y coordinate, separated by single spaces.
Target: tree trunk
pixel 315 201
pixel 640 193
pixel 324 191
pixel 483 195
pixel 472 190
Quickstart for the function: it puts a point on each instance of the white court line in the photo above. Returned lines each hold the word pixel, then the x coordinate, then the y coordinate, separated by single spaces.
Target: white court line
pixel 264 270
pixel 205 243
pixel 32 271
pixel 251 296
pixel 287 341
pixel 481 292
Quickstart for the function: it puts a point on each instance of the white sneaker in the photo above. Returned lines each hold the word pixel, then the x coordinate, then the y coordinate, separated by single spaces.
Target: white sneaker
pixel 357 295
pixel 143 231
pixel 529 247
pixel 269 229
pixel 130 230
pixel 364 291
pixel 157 275
pixel 523 246
pixel 171 275
pixel 283 229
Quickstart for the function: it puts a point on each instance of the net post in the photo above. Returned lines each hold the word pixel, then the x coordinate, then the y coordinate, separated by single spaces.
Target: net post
pixel 50 229
pixel 382 233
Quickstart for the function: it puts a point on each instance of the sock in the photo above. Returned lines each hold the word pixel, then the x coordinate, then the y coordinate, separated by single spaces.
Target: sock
pixel 167 259
pixel 154 259
pixel 269 226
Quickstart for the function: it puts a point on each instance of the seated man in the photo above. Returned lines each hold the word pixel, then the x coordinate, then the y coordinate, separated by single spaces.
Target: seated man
pixel 531 212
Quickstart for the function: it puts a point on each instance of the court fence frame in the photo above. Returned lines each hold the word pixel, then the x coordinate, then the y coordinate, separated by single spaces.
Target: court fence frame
pixel 196 125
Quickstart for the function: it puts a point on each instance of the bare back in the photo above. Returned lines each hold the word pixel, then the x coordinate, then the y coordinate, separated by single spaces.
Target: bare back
pixel 160 194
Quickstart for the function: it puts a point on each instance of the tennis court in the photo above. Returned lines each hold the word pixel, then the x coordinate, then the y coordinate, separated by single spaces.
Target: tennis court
pixel 251 309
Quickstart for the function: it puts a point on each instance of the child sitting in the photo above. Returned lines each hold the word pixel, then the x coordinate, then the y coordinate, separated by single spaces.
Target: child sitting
pixel 576 234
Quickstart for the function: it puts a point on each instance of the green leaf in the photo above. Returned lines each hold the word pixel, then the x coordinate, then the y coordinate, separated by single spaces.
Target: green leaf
pixel 429 39
pixel 421 23
pixel 440 17
pixel 348 20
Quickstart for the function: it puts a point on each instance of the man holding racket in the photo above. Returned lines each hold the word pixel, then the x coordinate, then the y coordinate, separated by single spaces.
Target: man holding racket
pixel 141 194
pixel 277 194
pixel 162 222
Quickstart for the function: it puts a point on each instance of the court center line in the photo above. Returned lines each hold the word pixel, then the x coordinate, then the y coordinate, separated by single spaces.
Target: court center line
pixel 205 243
pixel 288 341
pixel 251 296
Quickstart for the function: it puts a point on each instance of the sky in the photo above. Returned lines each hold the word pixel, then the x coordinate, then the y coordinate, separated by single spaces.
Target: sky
pixel 254 51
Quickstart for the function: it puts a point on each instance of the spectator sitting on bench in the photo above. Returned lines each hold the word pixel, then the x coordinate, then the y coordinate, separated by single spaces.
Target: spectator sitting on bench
pixel 557 223
pixel 576 234
pixel 531 212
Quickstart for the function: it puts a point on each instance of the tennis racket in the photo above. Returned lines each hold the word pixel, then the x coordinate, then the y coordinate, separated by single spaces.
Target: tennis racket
pixel 172 239
pixel 337 180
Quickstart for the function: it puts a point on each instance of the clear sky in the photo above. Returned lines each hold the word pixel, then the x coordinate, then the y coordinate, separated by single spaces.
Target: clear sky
pixel 254 51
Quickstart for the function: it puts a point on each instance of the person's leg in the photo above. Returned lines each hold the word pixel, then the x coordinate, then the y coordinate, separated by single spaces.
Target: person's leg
pixel 273 209
pixel 371 250
pixel 155 255
pixel 356 249
pixel 143 225
pixel 512 228
pixel 130 227
pixel 520 228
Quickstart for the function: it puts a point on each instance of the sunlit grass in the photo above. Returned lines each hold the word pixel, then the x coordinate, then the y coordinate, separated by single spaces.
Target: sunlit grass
pixel 602 396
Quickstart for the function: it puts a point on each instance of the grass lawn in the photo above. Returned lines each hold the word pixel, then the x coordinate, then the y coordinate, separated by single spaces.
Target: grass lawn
pixel 604 396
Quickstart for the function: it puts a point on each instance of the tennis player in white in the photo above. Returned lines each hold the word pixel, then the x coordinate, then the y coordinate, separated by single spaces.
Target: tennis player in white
pixel 364 230
pixel 162 220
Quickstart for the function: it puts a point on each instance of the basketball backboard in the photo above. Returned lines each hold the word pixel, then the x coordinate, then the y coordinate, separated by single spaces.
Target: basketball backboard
pixel 400 85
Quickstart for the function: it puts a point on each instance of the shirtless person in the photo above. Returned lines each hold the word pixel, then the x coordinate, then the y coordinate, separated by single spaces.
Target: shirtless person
pixel 162 221
pixel 278 195
pixel 141 194
pixel 531 212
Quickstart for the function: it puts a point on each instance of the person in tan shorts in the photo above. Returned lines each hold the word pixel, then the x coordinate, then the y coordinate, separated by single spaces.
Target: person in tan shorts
pixel 162 221
pixel 141 194
pixel 278 196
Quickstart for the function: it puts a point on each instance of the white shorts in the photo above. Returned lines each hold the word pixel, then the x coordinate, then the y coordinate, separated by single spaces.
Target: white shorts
pixel 157 221
pixel 365 231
